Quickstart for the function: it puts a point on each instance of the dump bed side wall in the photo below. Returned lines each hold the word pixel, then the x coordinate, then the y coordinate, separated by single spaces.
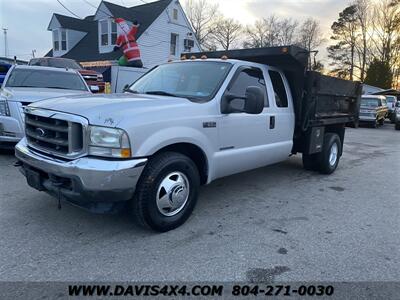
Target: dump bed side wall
pixel 332 98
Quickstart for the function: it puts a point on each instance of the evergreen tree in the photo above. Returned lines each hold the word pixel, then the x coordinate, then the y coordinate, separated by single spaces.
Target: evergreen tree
pixel 379 74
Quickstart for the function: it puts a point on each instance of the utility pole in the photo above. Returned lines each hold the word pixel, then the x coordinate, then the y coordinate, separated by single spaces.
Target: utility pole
pixel 5 42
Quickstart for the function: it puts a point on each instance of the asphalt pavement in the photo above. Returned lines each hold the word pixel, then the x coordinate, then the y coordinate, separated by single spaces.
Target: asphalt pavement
pixel 278 223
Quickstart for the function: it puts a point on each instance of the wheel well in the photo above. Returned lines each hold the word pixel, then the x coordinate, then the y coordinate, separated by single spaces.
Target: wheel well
pixel 339 130
pixel 195 153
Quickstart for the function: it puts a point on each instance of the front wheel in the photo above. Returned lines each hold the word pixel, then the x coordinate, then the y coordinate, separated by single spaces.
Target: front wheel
pixel 167 192
pixel 330 155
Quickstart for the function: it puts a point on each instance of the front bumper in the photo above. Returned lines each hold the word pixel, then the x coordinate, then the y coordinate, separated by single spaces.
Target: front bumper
pixel 367 118
pixel 88 182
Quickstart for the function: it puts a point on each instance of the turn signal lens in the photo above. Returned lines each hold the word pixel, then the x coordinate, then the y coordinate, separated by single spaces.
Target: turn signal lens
pixel 125 153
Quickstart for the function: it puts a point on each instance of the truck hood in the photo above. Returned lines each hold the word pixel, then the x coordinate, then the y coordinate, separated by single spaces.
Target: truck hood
pixel 111 110
pixel 30 95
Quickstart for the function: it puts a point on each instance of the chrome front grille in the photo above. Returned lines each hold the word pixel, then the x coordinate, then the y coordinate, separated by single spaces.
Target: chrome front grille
pixel 54 135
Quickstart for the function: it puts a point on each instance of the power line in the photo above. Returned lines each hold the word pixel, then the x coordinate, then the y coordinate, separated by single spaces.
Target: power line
pixel 87 2
pixel 59 1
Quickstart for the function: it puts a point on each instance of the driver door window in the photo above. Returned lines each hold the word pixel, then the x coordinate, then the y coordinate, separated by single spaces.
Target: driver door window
pixel 246 78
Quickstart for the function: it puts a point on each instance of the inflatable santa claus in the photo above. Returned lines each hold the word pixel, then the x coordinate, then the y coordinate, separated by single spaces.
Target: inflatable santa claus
pixel 126 41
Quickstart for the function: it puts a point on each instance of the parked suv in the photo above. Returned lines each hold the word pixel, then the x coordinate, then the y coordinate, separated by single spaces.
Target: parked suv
pixel 373 110
pixel 91 77
pixel 391 103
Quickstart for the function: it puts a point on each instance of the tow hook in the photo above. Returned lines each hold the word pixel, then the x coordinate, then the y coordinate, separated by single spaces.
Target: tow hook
pixel 18 163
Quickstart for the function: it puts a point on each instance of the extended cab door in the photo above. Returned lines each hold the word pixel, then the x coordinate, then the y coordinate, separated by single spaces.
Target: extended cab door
pixel 282 111
pixel 247 141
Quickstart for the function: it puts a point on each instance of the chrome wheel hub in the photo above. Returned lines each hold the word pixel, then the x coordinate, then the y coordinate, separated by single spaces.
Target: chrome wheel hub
pixel 333 154
pixel 172 194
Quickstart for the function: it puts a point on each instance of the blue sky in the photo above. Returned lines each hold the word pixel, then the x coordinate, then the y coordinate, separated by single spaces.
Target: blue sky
pixel 27 20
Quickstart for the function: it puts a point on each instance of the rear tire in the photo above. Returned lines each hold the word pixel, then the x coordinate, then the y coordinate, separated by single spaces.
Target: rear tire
pixel 397 126
pixel 167 192
pixel 330 155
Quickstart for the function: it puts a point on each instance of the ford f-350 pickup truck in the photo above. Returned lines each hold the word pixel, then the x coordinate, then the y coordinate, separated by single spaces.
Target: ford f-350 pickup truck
pixel 184 124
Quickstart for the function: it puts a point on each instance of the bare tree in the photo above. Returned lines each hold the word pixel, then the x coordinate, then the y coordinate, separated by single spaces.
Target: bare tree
pixel 201 15
pixel 287 31
pixel 310 35
pixel 385 34
pixel 310 38
pixel 256 35
pixel 227 32
pixel 271 31
pixel 386 27
pixel 363 17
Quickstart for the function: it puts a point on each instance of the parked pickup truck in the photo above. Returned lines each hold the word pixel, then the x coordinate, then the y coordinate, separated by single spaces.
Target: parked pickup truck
pixel 184 124
pixel 26 84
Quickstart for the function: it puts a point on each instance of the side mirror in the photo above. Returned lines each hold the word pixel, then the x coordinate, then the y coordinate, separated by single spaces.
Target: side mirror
pixel 253 102
pixel 94 89
pixel 126 88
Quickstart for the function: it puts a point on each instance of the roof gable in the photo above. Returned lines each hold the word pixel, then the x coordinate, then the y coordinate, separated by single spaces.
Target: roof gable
pixel 71 23
pixel 145 14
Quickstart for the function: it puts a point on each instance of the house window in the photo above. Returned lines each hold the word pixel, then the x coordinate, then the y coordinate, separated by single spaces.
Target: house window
pixel 63 40
pixel 175 14
pixel 174 43
pixel 60 39
pixel 56 40
pixel 113 33
pixel 104 33
pixel 107 33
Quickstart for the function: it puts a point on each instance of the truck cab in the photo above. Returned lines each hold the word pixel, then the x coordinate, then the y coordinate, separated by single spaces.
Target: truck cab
pixel 184 124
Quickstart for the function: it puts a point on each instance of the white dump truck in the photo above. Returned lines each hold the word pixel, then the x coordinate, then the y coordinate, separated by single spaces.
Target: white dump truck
pixel 185 124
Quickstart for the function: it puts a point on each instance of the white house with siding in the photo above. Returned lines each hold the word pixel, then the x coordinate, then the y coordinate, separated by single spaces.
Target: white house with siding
pixel 164 33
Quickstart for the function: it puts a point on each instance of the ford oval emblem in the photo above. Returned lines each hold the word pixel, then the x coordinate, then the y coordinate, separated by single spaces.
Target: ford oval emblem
pixel 40 132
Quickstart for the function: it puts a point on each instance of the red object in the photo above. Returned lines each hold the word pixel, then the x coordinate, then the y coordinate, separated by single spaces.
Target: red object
pixel 93 78
pixel 127 41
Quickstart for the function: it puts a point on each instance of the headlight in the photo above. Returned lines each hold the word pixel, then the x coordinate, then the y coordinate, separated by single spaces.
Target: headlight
pixel 109 142
pixel 4 110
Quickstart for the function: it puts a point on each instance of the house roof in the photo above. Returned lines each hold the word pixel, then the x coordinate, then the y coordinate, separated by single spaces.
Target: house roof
pixel 73 23
pixel 87 48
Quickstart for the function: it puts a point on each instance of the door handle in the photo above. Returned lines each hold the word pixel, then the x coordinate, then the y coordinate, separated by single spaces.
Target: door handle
pixel 271 122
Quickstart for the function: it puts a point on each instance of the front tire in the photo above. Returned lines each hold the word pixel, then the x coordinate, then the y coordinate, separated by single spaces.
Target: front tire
pixel 330 155
pixel 167 192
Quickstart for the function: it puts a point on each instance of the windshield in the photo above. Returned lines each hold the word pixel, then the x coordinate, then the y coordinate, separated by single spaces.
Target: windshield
pixel 45 79
pixel 56 63
pixel 370 102
pixel 198 81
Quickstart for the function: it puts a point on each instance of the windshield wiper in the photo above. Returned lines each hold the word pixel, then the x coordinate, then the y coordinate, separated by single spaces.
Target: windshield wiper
pixel 55 87
pixel 130 91
pixel 161 93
